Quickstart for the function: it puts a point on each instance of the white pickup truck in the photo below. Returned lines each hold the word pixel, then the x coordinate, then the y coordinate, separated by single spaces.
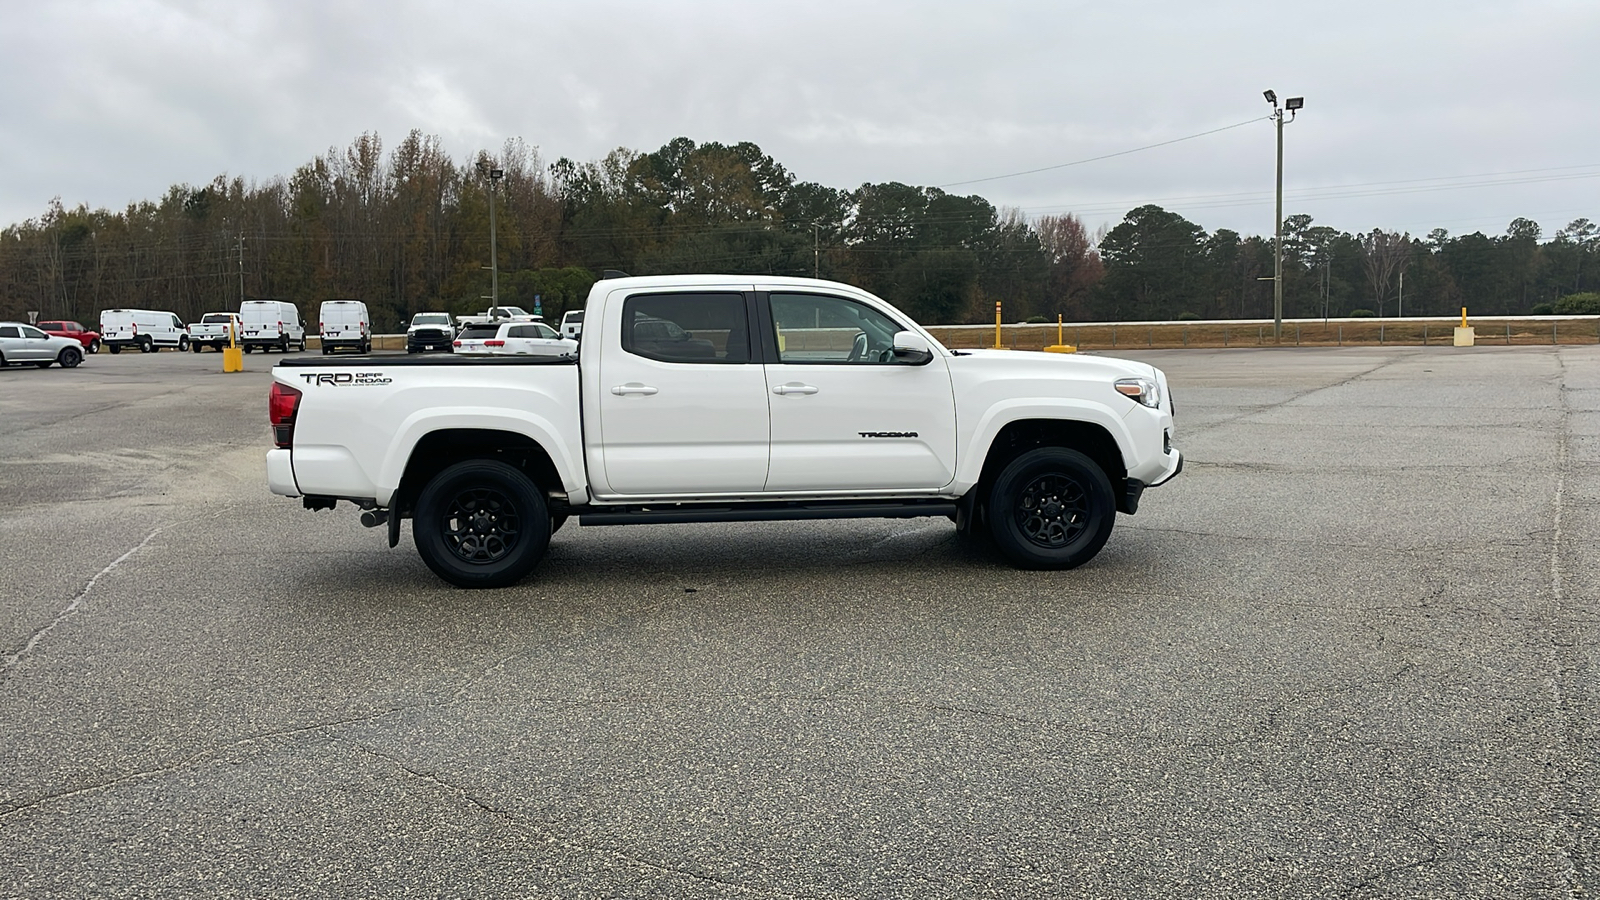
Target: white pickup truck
pixel 701 398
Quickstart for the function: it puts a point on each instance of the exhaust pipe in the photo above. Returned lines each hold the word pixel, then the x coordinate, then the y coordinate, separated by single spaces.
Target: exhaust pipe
pixel 372 518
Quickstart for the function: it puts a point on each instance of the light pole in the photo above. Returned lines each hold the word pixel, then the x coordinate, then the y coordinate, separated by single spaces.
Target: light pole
pixel 494 175
pixel 1292 105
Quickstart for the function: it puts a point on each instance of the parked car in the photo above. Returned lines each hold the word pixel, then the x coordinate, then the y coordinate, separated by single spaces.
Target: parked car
pixel 148 330
pixel 572 324
pixel 212 330
pixel 21 344
pixel 473 339
pixel 68 329
pixel 529 339
pixel 430 331
pixel 344 323
pixel 271 324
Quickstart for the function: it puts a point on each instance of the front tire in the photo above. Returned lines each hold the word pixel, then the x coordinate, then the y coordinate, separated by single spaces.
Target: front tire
pixel 1051 508
pixel 68 358
pixel 94 346
pixel 481 524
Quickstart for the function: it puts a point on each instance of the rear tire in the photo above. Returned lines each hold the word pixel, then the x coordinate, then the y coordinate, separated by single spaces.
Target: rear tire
pixel 1051 508
pixel 197 346
pixel 115 349
pixel 248 348
pixel 69 358
pixel 146 345
pixel 183 343
pixel 481 524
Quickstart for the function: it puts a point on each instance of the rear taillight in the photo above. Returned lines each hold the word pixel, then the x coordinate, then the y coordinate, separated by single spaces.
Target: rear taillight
pixel 282 404
pixel 493 343
pixel 458 343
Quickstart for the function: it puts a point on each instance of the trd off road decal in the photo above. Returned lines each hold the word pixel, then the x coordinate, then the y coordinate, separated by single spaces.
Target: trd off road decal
pixel 345 379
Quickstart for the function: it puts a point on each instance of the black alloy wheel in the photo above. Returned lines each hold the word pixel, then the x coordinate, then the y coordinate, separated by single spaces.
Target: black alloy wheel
pixel 1051 508
pixel 69 357
pixel 481 524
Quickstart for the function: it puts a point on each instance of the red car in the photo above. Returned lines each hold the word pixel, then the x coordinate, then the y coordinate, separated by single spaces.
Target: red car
pixel 89 339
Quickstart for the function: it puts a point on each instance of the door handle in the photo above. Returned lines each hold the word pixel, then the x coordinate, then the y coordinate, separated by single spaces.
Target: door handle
pixel 633 387
pixel 794 388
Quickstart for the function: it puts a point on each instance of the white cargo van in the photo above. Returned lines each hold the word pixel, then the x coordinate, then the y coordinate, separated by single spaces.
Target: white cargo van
pixel 271 323
pixel 345 323
pixel 145 329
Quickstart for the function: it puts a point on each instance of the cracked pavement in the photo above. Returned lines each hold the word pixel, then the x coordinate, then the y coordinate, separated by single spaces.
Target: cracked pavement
pixel 1350 652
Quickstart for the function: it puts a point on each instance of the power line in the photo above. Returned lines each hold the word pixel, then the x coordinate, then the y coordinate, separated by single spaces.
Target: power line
pixel 1107 156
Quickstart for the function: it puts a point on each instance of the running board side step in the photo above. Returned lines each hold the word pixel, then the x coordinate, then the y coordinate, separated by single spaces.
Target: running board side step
pixel 683 513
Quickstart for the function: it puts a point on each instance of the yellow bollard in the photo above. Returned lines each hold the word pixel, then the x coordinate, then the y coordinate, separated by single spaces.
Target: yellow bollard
pixel 1465 336
pixel 233 354
pixel 997 325
pixel 1060 346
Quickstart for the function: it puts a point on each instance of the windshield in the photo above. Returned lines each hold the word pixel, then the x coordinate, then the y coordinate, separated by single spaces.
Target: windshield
pixel 431 319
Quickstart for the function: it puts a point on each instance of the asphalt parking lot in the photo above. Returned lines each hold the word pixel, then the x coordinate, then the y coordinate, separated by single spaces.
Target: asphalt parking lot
pixel 1349 652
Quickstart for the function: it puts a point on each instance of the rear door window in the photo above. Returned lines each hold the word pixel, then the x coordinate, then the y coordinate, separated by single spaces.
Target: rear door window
pixel 687 328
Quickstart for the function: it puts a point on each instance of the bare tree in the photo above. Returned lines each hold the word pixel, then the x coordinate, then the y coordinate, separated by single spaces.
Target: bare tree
pixel 1384 255
pixel 1075 265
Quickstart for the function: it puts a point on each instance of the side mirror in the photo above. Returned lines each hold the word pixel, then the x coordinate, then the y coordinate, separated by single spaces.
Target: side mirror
pixel 912 349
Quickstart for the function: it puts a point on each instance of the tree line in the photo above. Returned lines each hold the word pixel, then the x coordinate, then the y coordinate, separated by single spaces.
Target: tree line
pixel 407 230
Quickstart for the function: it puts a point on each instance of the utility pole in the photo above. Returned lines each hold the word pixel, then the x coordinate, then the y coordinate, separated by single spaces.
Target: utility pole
pixel 241 267
pixel 1400 304
pixel 1292 104
pixel 494 175
pixel 816 251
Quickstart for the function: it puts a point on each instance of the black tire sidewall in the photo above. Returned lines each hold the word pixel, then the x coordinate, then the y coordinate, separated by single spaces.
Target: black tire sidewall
pixel 427 521
pixel 69 358
pixel 1008 535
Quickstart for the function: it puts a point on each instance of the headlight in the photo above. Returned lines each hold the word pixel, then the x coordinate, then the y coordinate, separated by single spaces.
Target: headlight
pixel 1144 390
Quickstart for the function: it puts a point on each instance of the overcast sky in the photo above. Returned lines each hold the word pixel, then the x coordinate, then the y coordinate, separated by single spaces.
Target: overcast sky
pixel 1461 115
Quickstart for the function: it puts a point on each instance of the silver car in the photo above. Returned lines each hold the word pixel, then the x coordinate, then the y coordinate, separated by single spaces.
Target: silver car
pixel 21 343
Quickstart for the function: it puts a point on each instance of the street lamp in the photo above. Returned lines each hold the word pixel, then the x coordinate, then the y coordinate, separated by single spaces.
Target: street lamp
pixel 493 175
pixel 1293 104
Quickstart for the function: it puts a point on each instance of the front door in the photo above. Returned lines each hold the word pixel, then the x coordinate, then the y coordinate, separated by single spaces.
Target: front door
pixel 846 416
pixel 683 403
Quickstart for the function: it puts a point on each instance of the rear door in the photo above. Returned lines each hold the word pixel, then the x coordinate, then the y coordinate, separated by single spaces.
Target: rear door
pixel 846 416
pixel 12 345
pixel 682 400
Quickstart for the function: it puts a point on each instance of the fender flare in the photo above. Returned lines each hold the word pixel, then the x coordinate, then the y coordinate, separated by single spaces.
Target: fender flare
pixel 425 422
pixel 969 469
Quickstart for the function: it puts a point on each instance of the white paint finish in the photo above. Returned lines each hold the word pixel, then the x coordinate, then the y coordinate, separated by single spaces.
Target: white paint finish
pixel 677 427
pixel 819 412
pixel 280 473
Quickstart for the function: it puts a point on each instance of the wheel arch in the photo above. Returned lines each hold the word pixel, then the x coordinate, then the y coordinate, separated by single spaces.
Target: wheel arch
pixel 1019 436
pixel 441 448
